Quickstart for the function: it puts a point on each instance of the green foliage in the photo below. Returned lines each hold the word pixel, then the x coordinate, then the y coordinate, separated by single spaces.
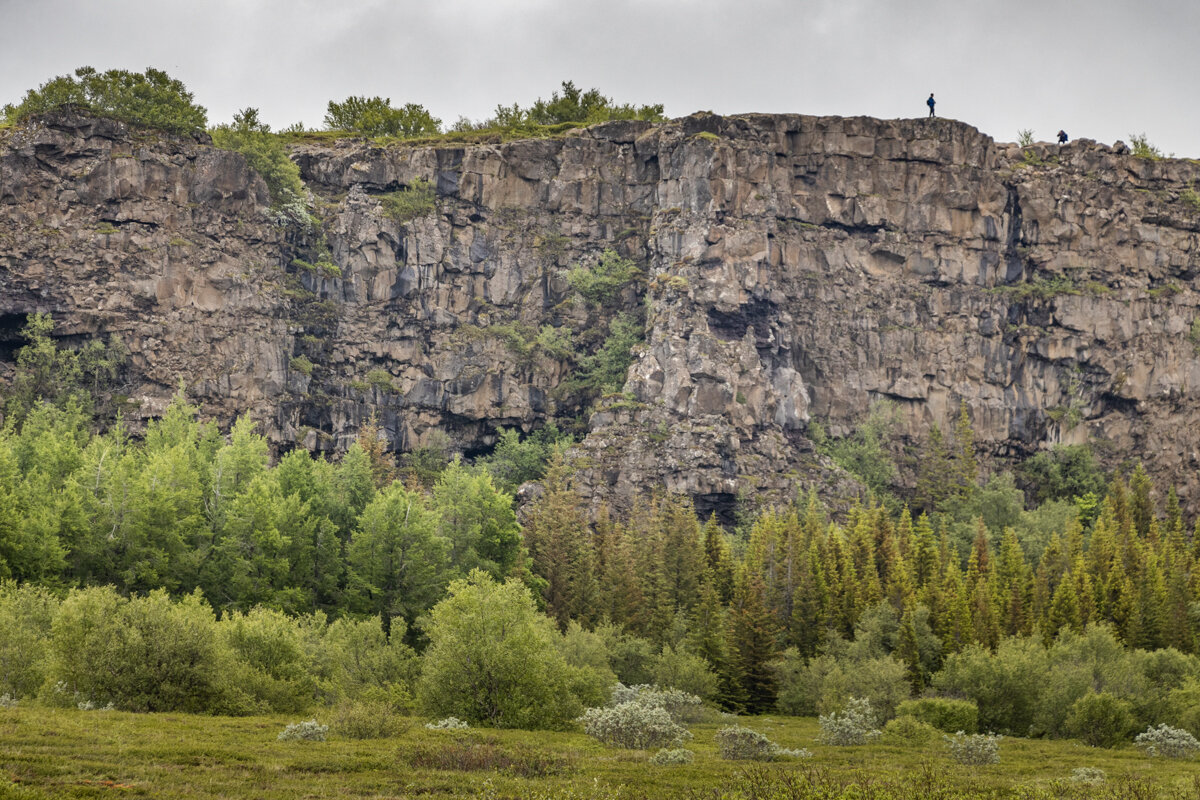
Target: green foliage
pixel 492 659
pixel 380 379
pixel 1167 742
pixel 737 743
pixel 516 460
pixel 602 283
pixel 265 153
pixel 26 613
pixel 301 364
pixel 1142 148
pixel 943 713
pixel 1194 335
pixel 909 730
pixel 366 719
pixel 151 98
pixel 141 654
pixel 604 371
pixel 85 377
pixel 413 201
pixel 477 520
pixel 865 452
pixel 307 731
pixel 826 683
pixel 1191 197
pixel 375 116
pixel 1043 288
pixel 1062 473
pixel 1006 687
pixel 572 106
pixel 1100 719
pixel 1025 137
pixel 634 725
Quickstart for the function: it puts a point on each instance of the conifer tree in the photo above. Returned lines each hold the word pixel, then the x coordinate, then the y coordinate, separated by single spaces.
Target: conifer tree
pixel 752 638
pixel 909 653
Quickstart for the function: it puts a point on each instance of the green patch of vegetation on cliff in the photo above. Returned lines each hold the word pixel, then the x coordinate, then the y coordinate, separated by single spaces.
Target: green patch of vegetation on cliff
pixel 1048 287
pixel 266 154
pixel 413 201
pixel 151 98
pixel 375 116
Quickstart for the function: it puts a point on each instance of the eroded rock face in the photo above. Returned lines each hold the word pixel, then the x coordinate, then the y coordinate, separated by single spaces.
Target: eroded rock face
pixel 797 269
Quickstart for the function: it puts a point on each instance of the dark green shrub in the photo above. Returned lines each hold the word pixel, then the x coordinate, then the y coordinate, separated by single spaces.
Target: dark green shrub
pixel 151 98
pixel 943 713
pixel 909 730
pixel 375 116
pixel 1100 720
pixel 601 283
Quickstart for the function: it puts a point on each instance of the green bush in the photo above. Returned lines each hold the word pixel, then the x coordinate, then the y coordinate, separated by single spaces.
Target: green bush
pixel 415 200
pixel 974 749
pixel 272 665
pixel 1006 686
pixel 854 724
pixel 909 730
pixel 572 106
pixel 301 364
pixel 26 614
pixel 366 719
pixel 634 725
pixel 737 743
pixel 601 284
pixel 492 659
pixel 265 153
pixel 142 654
pixel 825 683
pixel 1100 719
pixel 942 713
pixel 308 731
pixel 151 98
pixel 375 116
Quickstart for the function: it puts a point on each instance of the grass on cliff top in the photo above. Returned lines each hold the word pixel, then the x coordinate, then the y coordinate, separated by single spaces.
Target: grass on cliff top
pixel 486 136
pixel 68 753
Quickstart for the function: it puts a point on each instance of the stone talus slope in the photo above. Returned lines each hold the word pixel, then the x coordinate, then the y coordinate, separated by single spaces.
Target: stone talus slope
pixel 797 268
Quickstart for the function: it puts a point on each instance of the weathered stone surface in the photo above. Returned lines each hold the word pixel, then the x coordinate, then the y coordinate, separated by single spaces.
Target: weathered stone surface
pixel 798 268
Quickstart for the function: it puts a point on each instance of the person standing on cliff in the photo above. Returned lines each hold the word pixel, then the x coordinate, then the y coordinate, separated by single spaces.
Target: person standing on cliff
pixel 930 103
pixel 1062 137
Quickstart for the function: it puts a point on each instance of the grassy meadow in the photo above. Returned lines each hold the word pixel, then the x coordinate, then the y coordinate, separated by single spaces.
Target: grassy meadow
pixel 69 753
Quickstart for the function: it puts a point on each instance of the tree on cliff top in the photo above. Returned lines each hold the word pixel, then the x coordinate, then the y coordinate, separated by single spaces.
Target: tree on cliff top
pixel 375 116
pixel 151 98
pixel 573 105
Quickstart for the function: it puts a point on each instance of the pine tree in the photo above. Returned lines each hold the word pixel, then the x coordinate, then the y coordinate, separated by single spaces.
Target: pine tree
pixel 909 653
pixel 752 635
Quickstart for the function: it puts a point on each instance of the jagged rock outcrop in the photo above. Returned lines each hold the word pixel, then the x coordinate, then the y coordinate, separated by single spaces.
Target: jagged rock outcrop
pixel 796 268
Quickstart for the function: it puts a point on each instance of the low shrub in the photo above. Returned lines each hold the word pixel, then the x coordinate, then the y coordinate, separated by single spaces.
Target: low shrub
pixel 943 713
pixel 909 730
pixel 478 755
pixel 1089 775
pixel 674 755
pixel 634 725
pixel 974 748
pixel 359 719
pixel 1167 742
pixel 737 743
pixel 1100 719
pixel 447 724
pixel 308 731
pixel 682 707
pixel 854 724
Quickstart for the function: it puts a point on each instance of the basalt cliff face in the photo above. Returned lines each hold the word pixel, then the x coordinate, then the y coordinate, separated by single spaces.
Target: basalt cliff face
pixel 796 268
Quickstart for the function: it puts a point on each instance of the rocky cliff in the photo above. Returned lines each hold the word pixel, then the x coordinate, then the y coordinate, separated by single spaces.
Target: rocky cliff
pixel 795 268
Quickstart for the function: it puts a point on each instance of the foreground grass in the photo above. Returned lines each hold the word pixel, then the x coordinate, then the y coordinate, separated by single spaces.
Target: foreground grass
pixel 69 753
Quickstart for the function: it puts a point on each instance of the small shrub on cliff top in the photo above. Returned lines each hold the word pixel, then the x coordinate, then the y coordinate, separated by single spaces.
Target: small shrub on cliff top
pixel 375 116
pixel 151 98
pixel 265 153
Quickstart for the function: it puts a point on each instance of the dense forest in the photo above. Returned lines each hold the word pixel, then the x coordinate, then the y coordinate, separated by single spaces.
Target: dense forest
pixel 1089 592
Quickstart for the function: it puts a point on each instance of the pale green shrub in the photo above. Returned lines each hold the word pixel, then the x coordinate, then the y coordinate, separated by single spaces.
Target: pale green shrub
pixel 737 743
pixel 1168 742
pixel 7 701
pixel 682 707
pixel 635 725
pixel 1089 775
pixel 974 748
pixel 675 755
pixel 447 724
pixel 854 724
pixel 308 731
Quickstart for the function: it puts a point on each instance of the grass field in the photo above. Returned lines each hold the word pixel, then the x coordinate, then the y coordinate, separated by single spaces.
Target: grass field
pixel 68 753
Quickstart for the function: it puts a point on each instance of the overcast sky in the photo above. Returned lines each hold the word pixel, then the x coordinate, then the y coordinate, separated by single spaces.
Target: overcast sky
pixel 1101 69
